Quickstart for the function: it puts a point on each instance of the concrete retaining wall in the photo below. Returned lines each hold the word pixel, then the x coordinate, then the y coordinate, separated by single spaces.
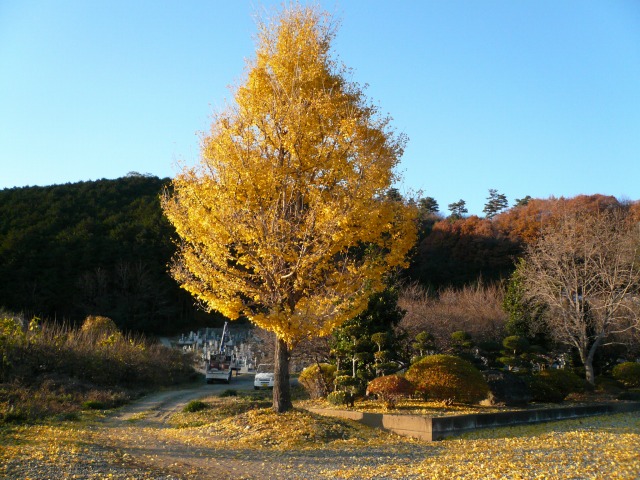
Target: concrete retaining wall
pixel 437 428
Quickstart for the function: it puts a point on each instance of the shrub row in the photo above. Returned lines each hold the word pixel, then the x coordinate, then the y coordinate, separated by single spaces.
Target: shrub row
pixel 452 379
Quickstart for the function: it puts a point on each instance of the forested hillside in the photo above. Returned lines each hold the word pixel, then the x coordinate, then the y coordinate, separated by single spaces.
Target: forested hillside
pixel 102 248
pixel 91 248
pixel 457 250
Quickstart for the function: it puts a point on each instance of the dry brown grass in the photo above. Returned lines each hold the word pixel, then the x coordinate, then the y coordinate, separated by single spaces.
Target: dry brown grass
pixel 51 369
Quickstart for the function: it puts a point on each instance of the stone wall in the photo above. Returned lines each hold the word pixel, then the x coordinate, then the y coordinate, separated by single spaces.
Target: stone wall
pixel 437 428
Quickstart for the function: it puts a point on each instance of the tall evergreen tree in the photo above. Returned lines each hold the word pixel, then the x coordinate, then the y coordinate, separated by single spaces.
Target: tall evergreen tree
pixel 428 205
pixel 496 202
pixel 458 209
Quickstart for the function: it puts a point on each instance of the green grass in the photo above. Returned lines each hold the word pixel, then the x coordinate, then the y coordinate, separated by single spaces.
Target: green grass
pixel 195 406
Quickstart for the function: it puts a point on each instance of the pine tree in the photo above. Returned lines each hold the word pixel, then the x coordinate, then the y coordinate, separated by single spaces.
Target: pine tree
pixel 458 209
pixel 496 202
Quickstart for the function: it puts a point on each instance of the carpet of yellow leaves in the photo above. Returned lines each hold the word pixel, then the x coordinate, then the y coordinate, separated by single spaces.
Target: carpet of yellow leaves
pixel 254 442
pixel 411 407
pixel 588 448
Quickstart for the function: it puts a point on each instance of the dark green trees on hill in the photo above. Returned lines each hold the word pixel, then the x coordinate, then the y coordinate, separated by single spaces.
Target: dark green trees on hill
pixel 102 248
pixel 91 248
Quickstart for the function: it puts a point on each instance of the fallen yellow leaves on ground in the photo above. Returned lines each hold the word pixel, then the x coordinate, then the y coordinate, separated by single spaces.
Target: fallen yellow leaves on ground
pixel 410 407
pixel 244 437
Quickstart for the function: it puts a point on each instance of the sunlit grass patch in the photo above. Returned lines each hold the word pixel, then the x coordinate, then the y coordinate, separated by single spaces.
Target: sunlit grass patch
pixel 250 422
pixel 218 408
pixel 139 416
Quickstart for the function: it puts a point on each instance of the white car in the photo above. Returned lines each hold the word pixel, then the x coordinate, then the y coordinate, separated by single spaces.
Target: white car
pixel 264 376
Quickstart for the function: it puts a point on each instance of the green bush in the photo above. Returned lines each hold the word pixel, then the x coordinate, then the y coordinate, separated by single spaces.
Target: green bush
pixel 515 345
pixel 195 406
pixel 317 379
pixel 416 358
pixel 93 405
pixel 337 398
pixel 631 395
pixel 462 339
pixel 343 382
pixel 446 377
pixel 506 388
pixel 12 343
pixel 229 392
pixel 553 385
pixel 608 385
pixel 627 373
pixel 100 327
pixel 390 388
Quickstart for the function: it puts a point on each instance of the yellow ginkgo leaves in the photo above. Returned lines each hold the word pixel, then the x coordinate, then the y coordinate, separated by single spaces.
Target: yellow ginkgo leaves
pixel 286 220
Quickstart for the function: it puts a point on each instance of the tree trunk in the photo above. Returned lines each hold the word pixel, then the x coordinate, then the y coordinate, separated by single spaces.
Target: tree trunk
pixel 587 354
pixel 281 388
pixel 588 361
pixel 590 375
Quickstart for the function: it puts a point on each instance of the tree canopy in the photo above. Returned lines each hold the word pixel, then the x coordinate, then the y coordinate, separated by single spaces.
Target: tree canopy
pixel 458 209
pixel 286 220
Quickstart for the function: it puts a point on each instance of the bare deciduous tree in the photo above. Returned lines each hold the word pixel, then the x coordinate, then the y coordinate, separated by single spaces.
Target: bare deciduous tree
pixel 585 268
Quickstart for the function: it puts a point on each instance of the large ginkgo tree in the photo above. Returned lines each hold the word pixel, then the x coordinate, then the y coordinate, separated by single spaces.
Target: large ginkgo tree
pixel 287 220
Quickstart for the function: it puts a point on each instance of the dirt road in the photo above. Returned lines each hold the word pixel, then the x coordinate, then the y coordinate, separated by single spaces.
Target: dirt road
pixel 142 441
pixel 141 438
pixel 156 408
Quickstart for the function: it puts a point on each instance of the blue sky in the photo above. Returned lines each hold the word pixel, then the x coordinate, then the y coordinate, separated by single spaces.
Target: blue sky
pixel 530 97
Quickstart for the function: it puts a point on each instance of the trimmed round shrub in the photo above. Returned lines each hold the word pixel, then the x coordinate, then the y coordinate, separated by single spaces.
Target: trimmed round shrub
pixel 506 388
pixel 462 339
pixel 446 377
pixel 515 345
pixel 337 398
pixel 631 395
pixel 229 392
pixel 544 391
pixel 390 388
pixel 317 379
pixel 93 405
pixel 628 374
pixel 608 385
pixel 553 385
